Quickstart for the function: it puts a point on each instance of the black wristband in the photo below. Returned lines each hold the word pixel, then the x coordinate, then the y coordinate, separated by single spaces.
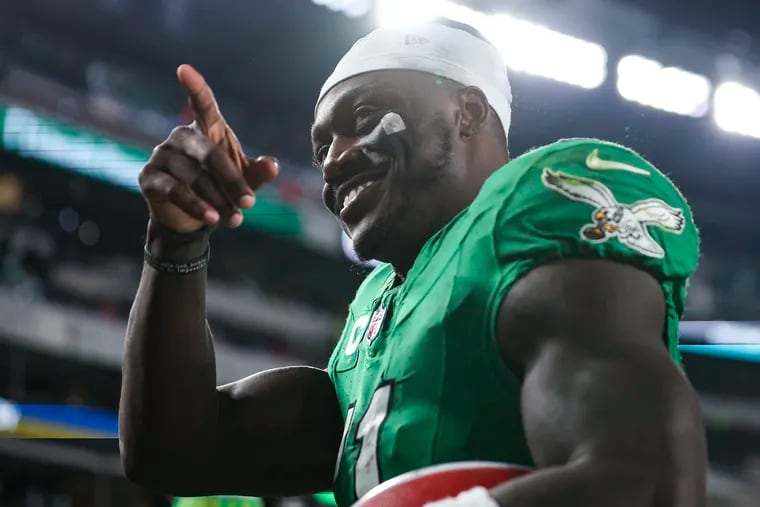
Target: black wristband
pixel 178 253
pixel 178 268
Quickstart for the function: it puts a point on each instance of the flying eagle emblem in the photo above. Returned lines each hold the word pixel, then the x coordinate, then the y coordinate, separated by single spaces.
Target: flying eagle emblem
pixel 611 219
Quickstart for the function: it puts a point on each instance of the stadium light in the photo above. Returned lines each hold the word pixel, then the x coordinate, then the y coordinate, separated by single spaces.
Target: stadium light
pixel 9 416
pixel 395 13
pixel 539 51
pixel 671 89
pixel 526 47
pixel 736 108
pixel 351 8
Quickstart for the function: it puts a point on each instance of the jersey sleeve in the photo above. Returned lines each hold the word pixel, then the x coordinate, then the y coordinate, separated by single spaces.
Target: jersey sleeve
pixel 598 200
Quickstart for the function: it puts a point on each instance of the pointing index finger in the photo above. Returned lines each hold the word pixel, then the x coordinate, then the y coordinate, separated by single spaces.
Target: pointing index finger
pixel 202 101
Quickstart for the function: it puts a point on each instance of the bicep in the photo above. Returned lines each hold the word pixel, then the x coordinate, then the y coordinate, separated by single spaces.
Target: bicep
pixel 599 383
pixel 582 406
pixel 278 433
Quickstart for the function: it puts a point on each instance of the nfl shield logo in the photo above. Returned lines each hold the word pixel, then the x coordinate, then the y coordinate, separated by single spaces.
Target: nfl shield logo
pixel 375 324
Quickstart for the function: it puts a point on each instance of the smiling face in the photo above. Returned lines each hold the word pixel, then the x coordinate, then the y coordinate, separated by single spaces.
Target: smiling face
pixel 391 197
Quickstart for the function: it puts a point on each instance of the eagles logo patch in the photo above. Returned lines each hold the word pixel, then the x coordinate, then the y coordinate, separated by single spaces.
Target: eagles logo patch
pixel 611 219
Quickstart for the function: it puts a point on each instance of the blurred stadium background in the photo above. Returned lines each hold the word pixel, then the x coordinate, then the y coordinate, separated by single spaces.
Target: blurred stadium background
pixel 87 88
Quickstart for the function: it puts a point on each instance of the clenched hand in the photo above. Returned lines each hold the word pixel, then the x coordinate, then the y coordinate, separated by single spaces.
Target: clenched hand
pixel 199 175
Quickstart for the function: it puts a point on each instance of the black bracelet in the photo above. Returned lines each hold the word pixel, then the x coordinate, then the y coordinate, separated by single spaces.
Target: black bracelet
pixel 178 268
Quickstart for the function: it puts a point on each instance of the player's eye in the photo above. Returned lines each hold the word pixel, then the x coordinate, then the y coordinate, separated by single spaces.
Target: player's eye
pixel 363 111
pixel 321 154
pixel 364 116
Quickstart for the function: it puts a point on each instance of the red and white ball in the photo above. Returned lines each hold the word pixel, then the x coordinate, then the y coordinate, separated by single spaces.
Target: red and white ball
pixel 414 489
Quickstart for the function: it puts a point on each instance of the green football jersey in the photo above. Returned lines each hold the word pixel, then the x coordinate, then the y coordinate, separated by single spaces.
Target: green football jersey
pixel 418 371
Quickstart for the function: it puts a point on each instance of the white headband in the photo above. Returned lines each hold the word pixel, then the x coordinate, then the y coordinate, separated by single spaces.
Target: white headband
pixel 435 49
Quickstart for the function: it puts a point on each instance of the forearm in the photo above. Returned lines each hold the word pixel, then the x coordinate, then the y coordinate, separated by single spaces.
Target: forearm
pixel 169 398
pixel 582 484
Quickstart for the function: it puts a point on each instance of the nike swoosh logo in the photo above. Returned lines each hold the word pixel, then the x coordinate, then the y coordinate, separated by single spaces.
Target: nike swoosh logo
pixel 595 163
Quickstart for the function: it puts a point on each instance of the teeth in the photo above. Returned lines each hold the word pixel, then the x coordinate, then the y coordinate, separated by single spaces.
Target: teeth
pixel 354 193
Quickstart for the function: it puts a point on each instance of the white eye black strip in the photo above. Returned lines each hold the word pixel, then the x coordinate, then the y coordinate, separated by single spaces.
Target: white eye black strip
pixel 392 123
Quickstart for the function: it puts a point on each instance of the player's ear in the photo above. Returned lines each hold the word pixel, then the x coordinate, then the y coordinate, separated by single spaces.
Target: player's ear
pixel 474 111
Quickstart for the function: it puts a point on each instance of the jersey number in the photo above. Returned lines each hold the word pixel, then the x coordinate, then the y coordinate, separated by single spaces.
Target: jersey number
pixel 367 470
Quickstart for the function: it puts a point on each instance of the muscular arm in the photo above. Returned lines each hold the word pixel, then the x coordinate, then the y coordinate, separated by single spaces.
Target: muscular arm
pixel 610 419
pixel 275 433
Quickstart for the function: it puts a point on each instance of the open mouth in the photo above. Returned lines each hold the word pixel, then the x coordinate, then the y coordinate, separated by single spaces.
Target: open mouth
pixel 354 193
pixel 360 194
pixel 354 202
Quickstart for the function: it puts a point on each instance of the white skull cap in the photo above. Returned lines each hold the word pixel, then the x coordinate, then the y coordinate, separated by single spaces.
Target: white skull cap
pixel 435 49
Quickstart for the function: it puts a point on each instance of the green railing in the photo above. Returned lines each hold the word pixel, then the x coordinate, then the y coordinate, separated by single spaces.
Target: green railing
pixel 35 136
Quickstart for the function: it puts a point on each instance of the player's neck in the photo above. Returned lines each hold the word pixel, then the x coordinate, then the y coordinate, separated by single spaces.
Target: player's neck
pixel 402 268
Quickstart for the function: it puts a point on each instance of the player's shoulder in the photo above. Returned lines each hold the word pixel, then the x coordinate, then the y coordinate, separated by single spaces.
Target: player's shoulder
pixel 591 194
pixel 604 165
pixel 586 151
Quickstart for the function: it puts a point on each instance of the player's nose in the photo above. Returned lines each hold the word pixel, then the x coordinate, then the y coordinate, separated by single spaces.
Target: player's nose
pixel 342 161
